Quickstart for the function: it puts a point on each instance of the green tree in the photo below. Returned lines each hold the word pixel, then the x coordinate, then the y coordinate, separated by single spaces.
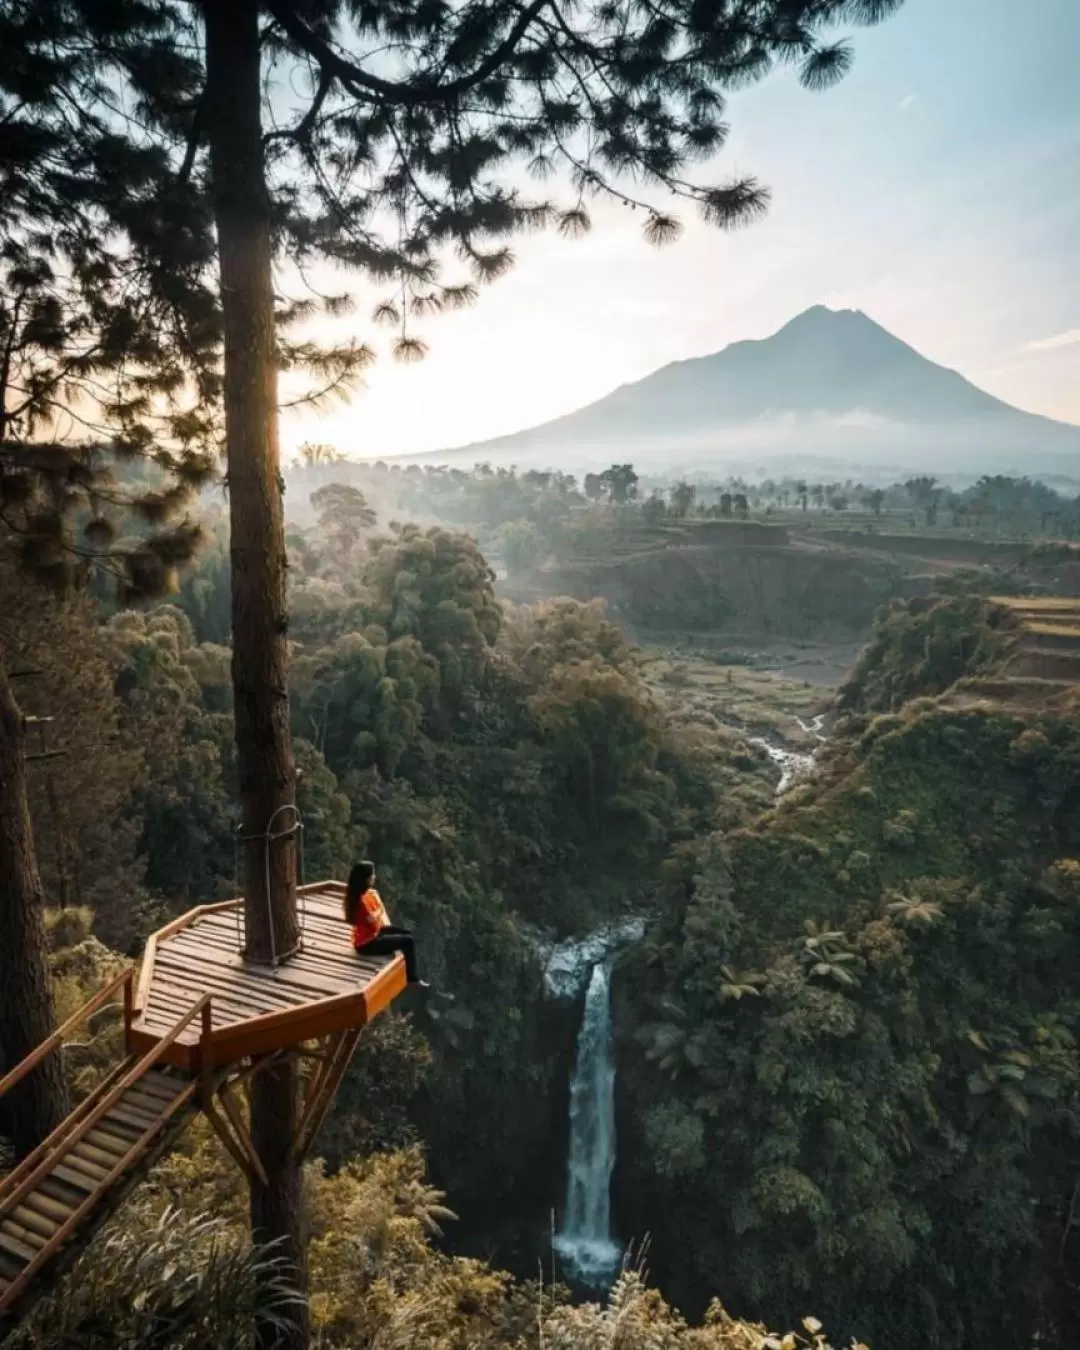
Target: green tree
pixel 344 517
pixel 83 802
pixel 437 587
pixel 168 686
pixel 620 482
pixel 605 729
pixel 93 369
pixel 522 546
pixel 683 496
pixel 924 494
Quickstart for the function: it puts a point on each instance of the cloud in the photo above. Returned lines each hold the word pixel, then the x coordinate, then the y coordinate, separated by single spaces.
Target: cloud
pixel 907 101
pixel 1069 338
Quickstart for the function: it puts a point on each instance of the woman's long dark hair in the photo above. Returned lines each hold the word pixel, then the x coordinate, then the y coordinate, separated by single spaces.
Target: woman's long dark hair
pixel 360 879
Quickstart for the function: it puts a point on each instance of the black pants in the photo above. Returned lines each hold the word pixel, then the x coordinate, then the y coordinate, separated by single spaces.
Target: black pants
pixel 392 940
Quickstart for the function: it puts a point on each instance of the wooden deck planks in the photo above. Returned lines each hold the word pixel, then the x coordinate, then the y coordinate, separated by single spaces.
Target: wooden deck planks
pixel 326 985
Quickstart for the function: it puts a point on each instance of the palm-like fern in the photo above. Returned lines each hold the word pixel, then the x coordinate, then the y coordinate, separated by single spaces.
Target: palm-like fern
pixel 825 956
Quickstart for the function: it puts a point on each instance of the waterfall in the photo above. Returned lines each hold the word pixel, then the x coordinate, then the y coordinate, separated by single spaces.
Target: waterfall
pixel 585 1242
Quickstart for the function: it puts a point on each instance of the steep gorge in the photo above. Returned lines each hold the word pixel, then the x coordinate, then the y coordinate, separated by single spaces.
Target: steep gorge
pixel 847 1049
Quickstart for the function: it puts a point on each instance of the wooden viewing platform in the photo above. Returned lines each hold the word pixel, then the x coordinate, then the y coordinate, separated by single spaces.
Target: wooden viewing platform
pixel 324 988
pixel 200 1023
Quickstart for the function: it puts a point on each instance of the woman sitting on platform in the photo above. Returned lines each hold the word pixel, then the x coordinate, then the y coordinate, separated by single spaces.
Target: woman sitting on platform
pixel 373 933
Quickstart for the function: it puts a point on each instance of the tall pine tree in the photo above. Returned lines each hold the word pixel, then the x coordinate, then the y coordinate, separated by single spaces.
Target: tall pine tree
pixel 105 431
pixel 392 160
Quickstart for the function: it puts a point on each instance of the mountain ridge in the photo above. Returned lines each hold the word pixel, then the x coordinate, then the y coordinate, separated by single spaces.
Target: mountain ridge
pixel 831 383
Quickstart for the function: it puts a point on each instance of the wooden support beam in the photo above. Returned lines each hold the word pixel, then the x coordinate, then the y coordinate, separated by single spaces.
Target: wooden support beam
pixel 322 1065
pixel 239 1145
pixel 236 1119
pixel 304 1053
pixel 223 1132
pixel 329 1082
pixel 256 1064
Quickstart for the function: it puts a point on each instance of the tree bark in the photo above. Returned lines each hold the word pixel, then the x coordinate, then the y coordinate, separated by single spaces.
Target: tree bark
pixel 259 618
pixel 40 1102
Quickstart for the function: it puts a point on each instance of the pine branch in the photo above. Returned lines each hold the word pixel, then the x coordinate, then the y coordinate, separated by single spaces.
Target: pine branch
pixel 405 93
pixel 195 135
pixel 303 128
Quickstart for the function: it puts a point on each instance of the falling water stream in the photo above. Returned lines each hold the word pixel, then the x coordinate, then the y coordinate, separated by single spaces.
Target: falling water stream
pixel 585 1242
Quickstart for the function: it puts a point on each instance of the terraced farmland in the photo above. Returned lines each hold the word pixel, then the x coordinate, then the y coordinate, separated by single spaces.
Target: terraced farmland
pixel 1041 669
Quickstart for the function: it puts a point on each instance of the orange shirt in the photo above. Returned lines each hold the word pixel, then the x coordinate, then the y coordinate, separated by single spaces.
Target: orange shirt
pixel 371 918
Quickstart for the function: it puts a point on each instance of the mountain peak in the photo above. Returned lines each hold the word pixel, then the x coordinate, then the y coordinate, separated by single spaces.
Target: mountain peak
pixel 821 317
pixel 830 382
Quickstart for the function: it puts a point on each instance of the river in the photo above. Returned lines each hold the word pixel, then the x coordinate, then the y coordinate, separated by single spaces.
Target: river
pixel 795 765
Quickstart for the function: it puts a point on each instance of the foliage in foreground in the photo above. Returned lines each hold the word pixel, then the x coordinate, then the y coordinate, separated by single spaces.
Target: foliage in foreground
pixel 182 1281
pixel 161 1276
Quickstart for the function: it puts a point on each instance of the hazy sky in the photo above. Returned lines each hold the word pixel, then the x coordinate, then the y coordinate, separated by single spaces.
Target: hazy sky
pixel 937 188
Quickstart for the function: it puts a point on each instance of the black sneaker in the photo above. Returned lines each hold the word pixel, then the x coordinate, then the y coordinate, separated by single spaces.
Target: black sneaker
pixel 419 984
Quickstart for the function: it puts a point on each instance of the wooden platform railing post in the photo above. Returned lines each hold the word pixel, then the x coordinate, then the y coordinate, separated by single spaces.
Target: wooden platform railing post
pixel 129 1008
pixel 206 1056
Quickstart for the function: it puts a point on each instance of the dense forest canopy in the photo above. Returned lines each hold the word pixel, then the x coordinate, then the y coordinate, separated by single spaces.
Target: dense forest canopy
pixel 849 1033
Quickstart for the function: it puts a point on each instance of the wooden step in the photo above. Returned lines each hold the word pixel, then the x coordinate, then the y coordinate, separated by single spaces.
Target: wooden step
pixel 122 1128
pixel 103 1138
pixel 93 1172
pixel 56 1188
pixel 134 1117
pixel 75 1179
pixel 165 1085
pixel 25 1236
pixel 12 1246
pixel 32 1222
pixel 87 1151
pixel 41 1203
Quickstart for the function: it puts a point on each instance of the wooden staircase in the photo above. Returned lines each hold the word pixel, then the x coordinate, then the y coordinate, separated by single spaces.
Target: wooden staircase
pixel 312 1005
pixel 62 1191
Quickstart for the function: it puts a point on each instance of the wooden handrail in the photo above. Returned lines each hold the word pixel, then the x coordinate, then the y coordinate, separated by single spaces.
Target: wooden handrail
pixel 48 1145
pixel 32 1060
pixel 103 1107
pixel 19 1284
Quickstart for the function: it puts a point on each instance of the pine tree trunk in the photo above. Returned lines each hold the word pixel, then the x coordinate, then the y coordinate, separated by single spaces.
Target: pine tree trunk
pixel 259 619
pixel 40 1102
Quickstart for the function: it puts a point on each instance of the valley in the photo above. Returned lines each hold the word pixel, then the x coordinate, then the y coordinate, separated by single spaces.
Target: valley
pixel 741 855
